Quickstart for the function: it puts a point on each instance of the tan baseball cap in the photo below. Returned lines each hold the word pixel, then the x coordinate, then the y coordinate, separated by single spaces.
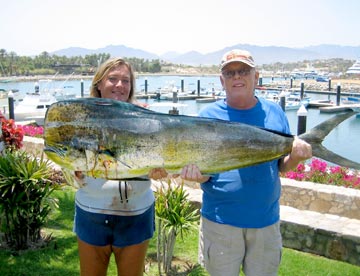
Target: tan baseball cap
pixel 237 55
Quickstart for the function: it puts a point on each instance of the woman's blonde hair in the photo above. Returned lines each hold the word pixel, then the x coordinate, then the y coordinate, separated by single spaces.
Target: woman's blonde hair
pixel 104 69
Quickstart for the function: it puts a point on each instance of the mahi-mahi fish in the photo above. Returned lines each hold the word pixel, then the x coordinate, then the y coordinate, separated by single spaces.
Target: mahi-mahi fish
pixel 117 140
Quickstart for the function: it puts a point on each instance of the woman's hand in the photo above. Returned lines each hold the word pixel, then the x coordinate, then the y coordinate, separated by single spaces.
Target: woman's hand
pixel 158 173
pixel 79 177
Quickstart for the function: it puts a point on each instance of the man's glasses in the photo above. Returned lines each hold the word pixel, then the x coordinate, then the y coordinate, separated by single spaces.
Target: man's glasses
pixel 228 74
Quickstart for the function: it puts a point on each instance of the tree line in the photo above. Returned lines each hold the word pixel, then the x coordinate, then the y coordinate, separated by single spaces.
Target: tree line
pixel 45 64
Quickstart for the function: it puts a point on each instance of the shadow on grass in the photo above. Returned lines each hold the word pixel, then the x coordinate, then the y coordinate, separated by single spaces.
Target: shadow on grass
pixel 49 260
pixel 58 256
pixel 63 217
pixel 179 267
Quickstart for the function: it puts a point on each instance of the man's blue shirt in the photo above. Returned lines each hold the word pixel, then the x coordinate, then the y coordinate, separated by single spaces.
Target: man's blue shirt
pixel 247 197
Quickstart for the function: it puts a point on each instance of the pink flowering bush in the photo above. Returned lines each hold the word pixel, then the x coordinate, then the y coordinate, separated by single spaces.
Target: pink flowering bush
pixel 320 172
pixel 33 131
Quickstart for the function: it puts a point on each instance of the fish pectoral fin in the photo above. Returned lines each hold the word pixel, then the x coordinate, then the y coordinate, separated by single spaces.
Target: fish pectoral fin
pixel 104 158
pixel 112 156
pixel 57 150
pixel 124 164
pixel 106 152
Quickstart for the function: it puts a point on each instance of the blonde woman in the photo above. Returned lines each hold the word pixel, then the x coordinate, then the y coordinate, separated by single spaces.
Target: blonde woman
pixel 113 217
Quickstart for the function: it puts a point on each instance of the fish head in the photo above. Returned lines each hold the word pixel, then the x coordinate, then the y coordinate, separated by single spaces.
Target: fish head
pixel 82 155
pixel 69 152
pixel 90 135
pixel 65 156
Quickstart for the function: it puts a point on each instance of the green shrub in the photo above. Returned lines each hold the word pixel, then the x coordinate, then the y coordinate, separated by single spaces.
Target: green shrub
pixel 175 216
pixel 25 202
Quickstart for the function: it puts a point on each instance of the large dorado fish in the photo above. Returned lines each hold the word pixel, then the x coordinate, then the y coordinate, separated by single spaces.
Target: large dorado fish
pixel 117 140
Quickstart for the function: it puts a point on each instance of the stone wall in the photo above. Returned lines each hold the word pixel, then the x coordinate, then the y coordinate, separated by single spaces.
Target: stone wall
pixel 325 199
pixel 321 219
pixel 34 146
pixel 321 241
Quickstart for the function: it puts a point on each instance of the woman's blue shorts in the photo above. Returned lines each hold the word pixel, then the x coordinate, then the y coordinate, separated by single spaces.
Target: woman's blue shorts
pixel 120 231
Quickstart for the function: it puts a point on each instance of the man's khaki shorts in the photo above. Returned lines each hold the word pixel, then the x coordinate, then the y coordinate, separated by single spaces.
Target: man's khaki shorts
pixel 224 249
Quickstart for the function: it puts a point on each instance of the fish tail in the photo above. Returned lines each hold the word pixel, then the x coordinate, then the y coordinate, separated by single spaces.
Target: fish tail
pixel 317 134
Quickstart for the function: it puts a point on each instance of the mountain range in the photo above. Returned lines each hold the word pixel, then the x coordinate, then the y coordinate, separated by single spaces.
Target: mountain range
pixel 261 54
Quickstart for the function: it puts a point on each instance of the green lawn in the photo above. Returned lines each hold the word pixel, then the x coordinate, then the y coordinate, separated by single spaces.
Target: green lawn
pixel 60 257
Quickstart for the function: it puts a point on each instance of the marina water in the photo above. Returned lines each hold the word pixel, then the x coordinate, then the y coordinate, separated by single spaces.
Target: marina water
pixel 343 140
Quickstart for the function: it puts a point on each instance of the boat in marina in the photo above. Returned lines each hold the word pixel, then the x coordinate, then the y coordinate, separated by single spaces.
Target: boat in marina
pixel 294 101
pixel 33 107
pixel 67 92
pixel 12 79
pixel 172 92
pixel 322 79
pixel 4 94
pixel 308 73
pixel 355 68
pixel 212 90
pixel 60 92
pixel 175 94
pixel 269 94
pixel 350 100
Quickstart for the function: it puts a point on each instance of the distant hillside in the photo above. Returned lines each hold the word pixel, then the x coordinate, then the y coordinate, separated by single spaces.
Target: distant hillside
pixel 113 50
pixel 262 54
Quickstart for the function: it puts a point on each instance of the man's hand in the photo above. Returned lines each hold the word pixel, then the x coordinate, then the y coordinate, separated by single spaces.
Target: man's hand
pixel 192 172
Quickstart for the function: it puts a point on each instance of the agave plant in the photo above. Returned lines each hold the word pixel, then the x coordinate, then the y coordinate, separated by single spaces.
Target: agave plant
pixel 25 201
pixel 175 215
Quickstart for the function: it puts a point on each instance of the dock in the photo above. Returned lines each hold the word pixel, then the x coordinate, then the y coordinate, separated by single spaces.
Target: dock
pixel 320 103
pixel 206 99
pixel 191 97
pixel 339 108
pixel 324 106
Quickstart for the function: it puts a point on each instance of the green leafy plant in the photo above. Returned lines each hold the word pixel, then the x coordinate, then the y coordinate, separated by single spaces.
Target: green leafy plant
pixel 318 171
pixel 25 202
pixel 175 216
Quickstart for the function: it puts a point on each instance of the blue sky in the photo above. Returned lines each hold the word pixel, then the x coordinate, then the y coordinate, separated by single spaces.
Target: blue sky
pixel 29 27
